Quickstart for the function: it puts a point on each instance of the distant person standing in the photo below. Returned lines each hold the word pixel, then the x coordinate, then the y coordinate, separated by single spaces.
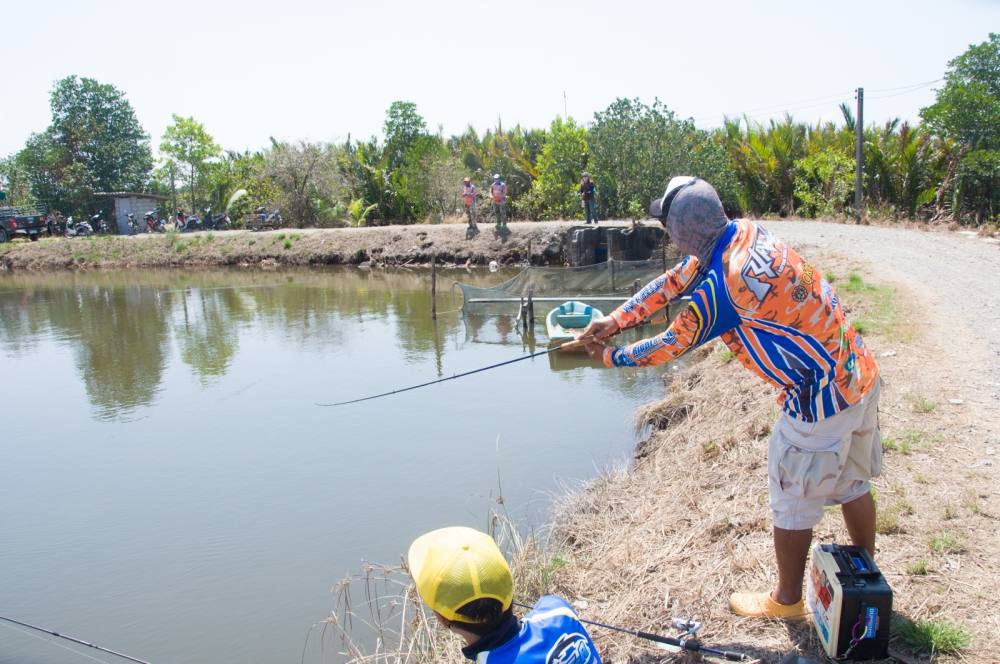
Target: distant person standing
pixel 588 192
pixel 469 195
pixel 498 190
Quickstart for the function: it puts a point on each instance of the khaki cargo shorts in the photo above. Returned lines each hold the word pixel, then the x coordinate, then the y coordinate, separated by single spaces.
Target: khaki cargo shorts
pixel 830 462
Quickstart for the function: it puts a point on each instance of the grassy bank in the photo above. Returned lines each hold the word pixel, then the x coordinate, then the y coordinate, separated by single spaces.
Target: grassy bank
pixel 687 522
pixel 388 245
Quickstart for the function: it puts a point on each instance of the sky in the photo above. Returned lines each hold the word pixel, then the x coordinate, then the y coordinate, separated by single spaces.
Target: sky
pixel 314 70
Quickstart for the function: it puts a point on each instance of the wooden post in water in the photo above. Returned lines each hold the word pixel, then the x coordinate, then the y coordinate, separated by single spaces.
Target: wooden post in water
pixel 529 251
pixel 611 257
pixel 523 314
pixel 531 305
pixel 434 279
pixel 635 287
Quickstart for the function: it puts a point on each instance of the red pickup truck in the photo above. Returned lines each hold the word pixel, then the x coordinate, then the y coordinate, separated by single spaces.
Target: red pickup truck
pixel 30 220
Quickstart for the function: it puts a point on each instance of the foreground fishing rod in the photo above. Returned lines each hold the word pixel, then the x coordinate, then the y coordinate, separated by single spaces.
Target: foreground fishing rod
pixel 74 640
pixel 691 644
pixel 569 345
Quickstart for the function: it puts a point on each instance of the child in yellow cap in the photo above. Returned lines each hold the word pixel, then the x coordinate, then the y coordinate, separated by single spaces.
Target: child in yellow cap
pixel 462 576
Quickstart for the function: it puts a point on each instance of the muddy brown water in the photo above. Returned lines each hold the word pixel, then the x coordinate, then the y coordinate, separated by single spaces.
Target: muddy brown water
pixel 169 488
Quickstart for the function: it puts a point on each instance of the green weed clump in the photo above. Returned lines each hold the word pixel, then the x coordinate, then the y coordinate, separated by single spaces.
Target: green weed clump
pixel 875 305
pixel 923 405
pixel 906 442
pixel 726 356
pixel 288 244
pixel 931 636
pixel 887 521
pixel 918 568
pixel 945 543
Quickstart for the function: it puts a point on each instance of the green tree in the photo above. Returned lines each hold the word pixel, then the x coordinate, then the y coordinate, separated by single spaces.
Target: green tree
pixel 824 183
pixel 235 171
pixel 305 178
pixel 977 185
pixel 967 108
pixel 554 191
pixel 186 143
pixel 439 176
pixel 967 111
pixel 94 143
pixel 637 148
pixel 403 126
pixel 14 182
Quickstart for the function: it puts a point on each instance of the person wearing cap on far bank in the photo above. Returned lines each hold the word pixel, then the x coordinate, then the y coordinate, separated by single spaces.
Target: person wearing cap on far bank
pixel 782 320
pixel 462 576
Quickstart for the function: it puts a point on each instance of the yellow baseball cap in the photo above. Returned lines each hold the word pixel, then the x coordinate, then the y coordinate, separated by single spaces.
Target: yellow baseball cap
pixel 455 566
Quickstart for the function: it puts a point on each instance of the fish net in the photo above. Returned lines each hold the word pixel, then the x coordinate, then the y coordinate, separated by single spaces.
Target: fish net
pixel 607 283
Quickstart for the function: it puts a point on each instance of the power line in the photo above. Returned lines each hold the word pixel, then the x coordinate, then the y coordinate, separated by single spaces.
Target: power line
pixel 907 91
pixel 912 85
pixel 817 102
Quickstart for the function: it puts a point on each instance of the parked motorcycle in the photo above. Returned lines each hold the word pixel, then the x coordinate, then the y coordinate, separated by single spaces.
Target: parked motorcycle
pixel 154 225
pixel 78 228
pixel 98 224
pixel 191 224
pixel 219 222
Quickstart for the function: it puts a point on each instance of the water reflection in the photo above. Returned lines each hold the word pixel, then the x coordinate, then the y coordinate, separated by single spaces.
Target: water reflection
pixel 120 326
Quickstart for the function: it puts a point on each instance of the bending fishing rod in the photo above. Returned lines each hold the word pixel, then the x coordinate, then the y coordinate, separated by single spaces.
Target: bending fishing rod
pixel 575 344
pixel 569 345
pixel 74 640
pixel 690 644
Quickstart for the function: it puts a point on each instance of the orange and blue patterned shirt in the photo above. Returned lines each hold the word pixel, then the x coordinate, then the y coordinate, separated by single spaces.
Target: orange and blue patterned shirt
pixel 774 310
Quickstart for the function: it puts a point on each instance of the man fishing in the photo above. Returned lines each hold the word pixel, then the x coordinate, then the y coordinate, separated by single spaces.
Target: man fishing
pixel 462 576
pixel 782 320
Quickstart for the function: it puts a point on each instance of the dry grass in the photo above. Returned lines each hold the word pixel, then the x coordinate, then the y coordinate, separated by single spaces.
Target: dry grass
pixel 378 617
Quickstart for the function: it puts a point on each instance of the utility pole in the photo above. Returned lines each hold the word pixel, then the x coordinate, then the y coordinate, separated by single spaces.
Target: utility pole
pixel 173 191
pixel 859 155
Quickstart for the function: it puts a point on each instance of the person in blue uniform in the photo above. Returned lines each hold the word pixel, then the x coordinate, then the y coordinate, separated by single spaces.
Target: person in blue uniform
pixel 462 576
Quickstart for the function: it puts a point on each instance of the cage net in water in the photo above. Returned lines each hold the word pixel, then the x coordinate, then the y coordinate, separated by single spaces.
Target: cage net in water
pixel 611 282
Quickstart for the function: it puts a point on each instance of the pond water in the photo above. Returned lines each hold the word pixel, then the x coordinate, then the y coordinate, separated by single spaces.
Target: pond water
pixel 170 489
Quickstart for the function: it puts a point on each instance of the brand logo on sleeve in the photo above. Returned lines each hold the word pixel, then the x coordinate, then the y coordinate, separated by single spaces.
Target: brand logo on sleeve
pixel 570 649
pixel 759 264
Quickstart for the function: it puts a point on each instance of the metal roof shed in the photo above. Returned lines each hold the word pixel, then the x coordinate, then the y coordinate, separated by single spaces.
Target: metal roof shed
pixel 131 202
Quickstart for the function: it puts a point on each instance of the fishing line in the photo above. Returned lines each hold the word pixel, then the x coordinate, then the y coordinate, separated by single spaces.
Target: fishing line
pixel 74 640
pixel 574 344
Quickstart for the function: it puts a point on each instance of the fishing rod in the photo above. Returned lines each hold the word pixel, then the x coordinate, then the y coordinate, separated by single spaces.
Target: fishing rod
pixel 691 644
pixel 575 344
pixel 569 345
pixel 74 640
